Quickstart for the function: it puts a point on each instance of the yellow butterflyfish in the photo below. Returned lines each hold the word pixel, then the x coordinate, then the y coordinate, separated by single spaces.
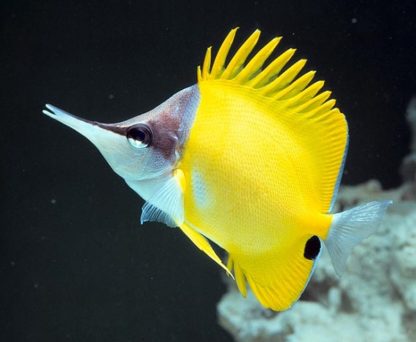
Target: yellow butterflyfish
pixel 250 158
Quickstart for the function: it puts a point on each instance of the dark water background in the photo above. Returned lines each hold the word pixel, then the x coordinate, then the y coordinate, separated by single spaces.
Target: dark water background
pixel 75 265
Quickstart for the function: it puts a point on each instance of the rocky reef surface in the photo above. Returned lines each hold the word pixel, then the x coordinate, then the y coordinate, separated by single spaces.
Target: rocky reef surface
pixel 374 300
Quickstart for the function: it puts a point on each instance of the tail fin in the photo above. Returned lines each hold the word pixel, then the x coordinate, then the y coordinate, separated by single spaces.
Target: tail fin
pixel 351 227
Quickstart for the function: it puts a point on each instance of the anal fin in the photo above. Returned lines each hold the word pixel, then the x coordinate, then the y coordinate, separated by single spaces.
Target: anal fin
pixel 240 278
pixel 276 282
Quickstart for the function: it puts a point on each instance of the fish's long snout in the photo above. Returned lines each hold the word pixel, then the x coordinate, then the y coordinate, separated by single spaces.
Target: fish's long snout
pixel 82 126
pixel 108 138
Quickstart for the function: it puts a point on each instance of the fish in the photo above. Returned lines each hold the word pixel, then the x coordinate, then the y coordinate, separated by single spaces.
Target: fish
pixel 250 159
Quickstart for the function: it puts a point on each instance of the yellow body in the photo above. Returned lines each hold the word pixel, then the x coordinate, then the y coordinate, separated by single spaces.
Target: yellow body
pixel 260 168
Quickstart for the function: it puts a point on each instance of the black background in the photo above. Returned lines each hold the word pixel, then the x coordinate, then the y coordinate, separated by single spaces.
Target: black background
pixel 75 265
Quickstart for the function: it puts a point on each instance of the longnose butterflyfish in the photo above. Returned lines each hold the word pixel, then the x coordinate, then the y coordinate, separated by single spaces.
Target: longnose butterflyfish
pixel 249 158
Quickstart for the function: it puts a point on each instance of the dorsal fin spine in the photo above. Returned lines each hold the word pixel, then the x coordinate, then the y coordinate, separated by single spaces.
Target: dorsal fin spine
pixel 218 66
pixel 272 69
pixel 257 61
pixel 306 95
pixel 296 87
pixel 199 73
pixel 207 64
pixel 312 102
pixel 325 107
pixel 240 56
pixel 284 79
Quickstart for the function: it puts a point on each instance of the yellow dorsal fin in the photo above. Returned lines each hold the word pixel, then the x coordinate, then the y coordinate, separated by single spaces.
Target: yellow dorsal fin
pixel 320 127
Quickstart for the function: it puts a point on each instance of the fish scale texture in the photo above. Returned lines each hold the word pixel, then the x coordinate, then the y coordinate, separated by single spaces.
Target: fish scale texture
pixel 263 160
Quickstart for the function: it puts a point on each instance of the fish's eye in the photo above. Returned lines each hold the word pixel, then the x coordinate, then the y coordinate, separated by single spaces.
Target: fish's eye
pixel 139 136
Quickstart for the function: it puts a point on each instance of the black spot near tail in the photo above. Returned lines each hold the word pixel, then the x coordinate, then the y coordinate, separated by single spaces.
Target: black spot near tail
pixel 312 248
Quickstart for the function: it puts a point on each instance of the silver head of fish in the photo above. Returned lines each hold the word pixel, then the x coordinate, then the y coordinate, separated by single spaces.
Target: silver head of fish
pixel 145 146
pixel 144 149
